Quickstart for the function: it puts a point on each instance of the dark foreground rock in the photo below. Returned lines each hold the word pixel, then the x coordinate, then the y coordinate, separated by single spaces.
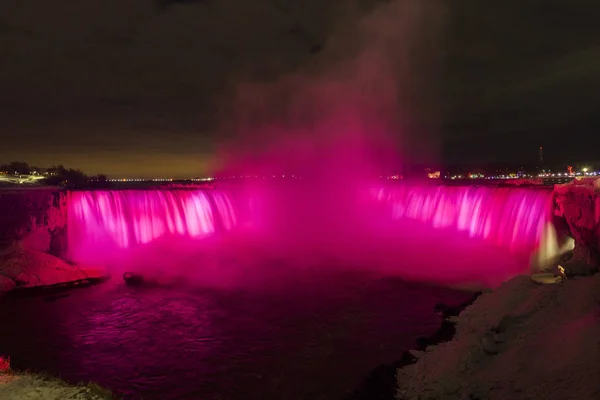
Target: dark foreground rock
pixel 522 341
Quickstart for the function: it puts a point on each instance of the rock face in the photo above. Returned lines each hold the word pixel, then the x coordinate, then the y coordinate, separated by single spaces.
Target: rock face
pixel 32 217
pixel 579 204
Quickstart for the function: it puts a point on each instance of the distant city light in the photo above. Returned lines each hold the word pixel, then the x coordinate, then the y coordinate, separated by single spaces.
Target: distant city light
pixel 141 180
pixel 36 177
pixel 475 175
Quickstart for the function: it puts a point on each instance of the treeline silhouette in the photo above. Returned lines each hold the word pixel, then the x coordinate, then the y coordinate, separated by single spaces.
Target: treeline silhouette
pixel 57 175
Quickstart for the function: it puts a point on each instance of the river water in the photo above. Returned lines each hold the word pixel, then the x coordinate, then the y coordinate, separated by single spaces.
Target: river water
pixel 315 336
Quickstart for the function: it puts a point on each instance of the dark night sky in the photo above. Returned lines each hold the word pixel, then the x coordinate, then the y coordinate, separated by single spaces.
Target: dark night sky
pixel 128 88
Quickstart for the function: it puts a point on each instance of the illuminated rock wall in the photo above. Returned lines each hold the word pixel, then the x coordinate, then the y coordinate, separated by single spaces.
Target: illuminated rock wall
pixel 578 203
pixel 33 225
pixel 33 218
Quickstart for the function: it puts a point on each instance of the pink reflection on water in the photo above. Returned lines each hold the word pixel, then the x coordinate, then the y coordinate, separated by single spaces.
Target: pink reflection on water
pixel 512 218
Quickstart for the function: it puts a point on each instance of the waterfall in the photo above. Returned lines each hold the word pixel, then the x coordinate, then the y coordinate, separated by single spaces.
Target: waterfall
pixel 104 221
pixel 513 218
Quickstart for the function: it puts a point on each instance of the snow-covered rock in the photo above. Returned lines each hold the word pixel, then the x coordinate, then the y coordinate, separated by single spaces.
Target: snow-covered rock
pixel 520 341
pixel 30 268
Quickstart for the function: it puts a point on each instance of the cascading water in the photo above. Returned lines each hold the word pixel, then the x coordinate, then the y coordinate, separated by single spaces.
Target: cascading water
pixel 474 230
pixel 512 218
pixel 101 222
pixel 515 219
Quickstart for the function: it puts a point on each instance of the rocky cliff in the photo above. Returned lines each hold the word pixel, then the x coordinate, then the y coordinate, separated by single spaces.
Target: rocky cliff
pixel 33 225
pixel 35 217
pixel 578 205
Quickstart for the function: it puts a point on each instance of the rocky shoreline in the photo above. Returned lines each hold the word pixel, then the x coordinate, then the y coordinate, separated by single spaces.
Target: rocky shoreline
pixel 523 340
pixel 381 383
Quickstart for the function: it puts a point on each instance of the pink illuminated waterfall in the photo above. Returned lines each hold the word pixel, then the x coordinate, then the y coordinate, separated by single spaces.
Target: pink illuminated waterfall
pixel 104 221
pixel 440 233
pixel 513 218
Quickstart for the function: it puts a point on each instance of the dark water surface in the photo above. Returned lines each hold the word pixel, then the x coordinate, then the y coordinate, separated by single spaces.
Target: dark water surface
pixel 313 338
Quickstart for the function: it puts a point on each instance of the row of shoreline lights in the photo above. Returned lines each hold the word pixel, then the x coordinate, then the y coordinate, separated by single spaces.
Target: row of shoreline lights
pixel 526 176
pixel 198 179
pixel 431 175
pixel 437 175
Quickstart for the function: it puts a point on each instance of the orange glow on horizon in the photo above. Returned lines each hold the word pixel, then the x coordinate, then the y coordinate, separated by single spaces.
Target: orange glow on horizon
pixel 128 165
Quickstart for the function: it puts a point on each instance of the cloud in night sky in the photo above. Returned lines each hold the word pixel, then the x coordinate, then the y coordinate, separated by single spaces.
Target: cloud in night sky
pixel 120 77
pixel 125 87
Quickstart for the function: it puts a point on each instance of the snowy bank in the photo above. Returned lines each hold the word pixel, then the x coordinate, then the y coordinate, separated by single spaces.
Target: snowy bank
pixel 523 340
pixel 21 386
pixel 26 268
pixel 24 385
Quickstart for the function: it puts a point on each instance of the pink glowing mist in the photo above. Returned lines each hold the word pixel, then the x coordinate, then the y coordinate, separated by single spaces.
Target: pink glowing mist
pixel 343 117
pixel 337 126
